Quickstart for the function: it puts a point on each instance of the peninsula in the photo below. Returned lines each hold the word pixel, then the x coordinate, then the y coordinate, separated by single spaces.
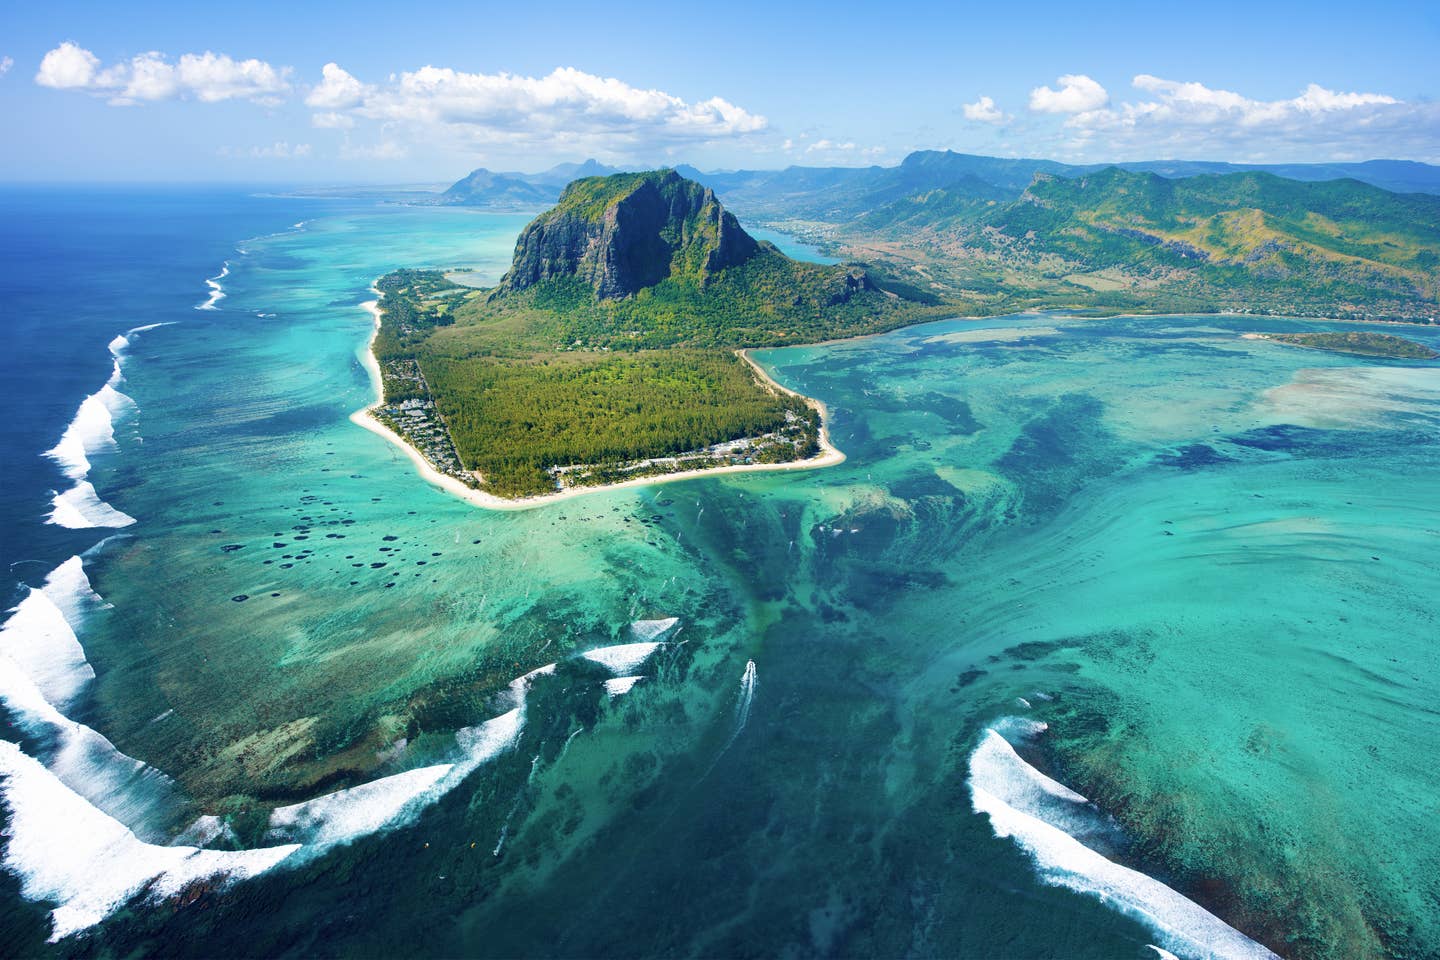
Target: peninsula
pixel 1362 344
pixel 612 352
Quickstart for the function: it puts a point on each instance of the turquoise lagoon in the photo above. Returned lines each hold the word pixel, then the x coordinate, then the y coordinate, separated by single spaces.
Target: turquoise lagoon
pixel 1149 562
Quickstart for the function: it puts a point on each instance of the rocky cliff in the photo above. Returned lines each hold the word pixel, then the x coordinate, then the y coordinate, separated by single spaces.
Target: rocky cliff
pixel 625 232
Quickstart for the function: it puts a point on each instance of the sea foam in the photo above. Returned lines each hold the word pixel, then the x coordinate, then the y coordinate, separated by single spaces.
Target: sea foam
pixel 217 292
pixel 620 685
pixel 89 826
pixel 652 629
pixel 92 429
pixel 81 508
pixel 67 851
pixel 622 658
pixel 43 671
pixel 349 814
pixel 39 636
pixel 1040 813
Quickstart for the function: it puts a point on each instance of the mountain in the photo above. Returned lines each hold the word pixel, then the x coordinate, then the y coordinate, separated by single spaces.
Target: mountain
pixel 563 173
pixel 843 194
pixel 652 259
pixel 487 188
pixel 519 191
pixel 623 233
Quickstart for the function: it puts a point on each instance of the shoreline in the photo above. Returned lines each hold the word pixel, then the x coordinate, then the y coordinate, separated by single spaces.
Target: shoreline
pixel 829 455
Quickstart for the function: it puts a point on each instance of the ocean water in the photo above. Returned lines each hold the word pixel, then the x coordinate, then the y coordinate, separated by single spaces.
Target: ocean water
pixel 1110 637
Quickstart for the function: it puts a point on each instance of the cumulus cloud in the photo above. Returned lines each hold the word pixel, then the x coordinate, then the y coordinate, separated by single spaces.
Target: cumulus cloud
pixel 1197 103
pixel 337 90
pixel 984 111
pixel 207 77
pixel 1186 116
pixel 5 64
pixel 567 108
pixel 1077 94
pixel 67 67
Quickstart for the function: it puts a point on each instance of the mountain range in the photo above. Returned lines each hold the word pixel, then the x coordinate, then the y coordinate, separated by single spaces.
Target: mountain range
pixel 837 194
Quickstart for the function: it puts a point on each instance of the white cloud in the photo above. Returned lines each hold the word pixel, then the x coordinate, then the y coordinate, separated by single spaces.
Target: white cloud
pixel 1184 117
pixel 332 121
pixel 5 64
pixel 984 111
pixel 207 77
pixel 567 110
pixel 830 146
pixel 1197 103
pixel 1077 94
pixel 67 67
pixel 337 90
pixel 279 150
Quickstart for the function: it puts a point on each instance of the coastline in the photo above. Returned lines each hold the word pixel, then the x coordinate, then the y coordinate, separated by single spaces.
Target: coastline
pixel 829 455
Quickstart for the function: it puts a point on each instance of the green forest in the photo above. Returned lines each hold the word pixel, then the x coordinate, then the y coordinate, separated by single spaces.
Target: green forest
pixel 514 412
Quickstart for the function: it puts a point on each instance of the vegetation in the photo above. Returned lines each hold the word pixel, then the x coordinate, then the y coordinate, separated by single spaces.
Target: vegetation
pixel 1363 344
pixel 556 378
pixel 607 350
pixel 1115 240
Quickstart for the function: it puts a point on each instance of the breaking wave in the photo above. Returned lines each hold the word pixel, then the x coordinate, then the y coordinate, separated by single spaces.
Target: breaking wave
pixel 1056 827
pixel 91 828
pixel 81 508
pixel 67 851
pixel 652 629
pixel 217 292
pixel 626 658
pixel 617 686
pixel 622 658
pixel 347 814
pixel 92 431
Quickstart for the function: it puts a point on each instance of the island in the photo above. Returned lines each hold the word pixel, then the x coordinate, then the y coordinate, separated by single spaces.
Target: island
pixel 614 349
pixel 1359 344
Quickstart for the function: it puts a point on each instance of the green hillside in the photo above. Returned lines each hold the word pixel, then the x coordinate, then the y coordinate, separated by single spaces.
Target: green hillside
pixel 1131 240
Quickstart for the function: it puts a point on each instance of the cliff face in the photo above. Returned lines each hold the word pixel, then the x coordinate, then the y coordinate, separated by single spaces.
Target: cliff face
pixel 626 232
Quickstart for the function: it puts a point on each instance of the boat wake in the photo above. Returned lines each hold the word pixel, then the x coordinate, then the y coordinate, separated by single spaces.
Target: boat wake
pixel 743 702
pixel 1063 834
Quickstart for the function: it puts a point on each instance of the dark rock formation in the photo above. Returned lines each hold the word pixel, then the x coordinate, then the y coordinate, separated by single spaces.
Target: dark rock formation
pixel 626 232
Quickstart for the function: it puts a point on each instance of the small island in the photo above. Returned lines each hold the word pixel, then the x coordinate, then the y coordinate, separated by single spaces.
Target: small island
pixel 1359 344
pixel 614 349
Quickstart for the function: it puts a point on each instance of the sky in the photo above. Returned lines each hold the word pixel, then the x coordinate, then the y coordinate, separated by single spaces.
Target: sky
pixel 423 92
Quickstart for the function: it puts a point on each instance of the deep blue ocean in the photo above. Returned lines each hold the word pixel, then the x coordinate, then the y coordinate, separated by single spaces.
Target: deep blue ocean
pixel 1109 638
pixel 79 266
